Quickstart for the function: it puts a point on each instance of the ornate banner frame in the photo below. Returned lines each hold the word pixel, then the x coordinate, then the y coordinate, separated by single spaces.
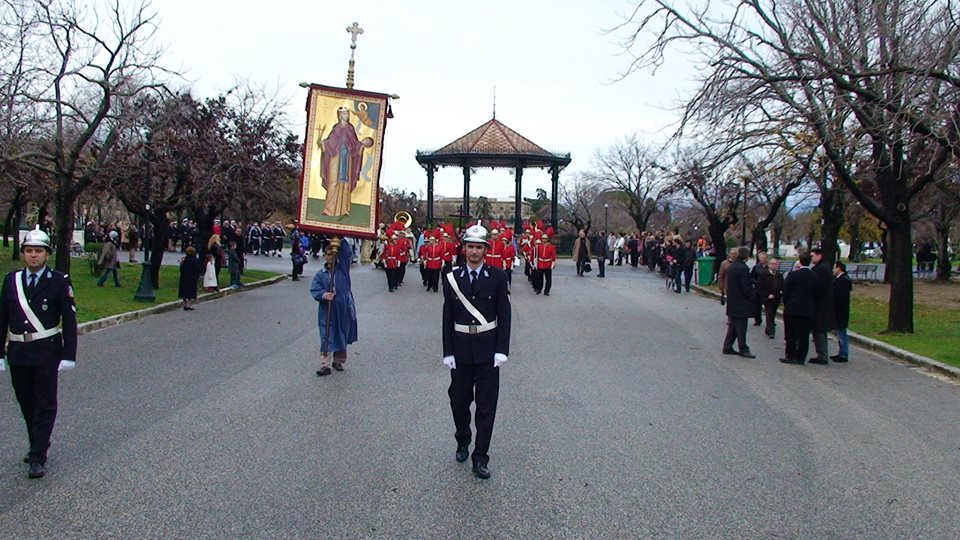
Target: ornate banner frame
pixel 342 158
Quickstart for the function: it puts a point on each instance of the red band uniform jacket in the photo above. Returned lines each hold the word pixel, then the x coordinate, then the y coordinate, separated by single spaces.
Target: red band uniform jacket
pixel 490 298
pixel 52 301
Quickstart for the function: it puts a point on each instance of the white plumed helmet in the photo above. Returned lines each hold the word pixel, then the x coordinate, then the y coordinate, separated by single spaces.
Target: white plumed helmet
pixel 476 235
pixel 36 238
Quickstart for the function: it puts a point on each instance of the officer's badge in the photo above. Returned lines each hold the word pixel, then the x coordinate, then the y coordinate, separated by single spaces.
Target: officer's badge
pixel 44 306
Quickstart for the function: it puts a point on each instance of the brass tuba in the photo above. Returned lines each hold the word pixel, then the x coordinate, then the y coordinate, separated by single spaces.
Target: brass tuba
pixel 405 217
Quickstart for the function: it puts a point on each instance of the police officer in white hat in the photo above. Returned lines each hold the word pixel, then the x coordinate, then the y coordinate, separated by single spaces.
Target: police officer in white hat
pixel 38 322
pixel 476 341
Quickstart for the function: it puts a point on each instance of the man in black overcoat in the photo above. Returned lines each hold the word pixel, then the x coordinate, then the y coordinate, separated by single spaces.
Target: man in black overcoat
pixel 824 310
pixel 39 318
pixel 799 309
pixel 740 304
pixel 842 286
pixel 476 341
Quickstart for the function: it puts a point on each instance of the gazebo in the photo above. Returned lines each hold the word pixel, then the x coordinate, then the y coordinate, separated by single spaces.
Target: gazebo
pixel 493 145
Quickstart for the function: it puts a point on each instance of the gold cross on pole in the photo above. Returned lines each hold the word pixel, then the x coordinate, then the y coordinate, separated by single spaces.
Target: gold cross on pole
pixel 354 30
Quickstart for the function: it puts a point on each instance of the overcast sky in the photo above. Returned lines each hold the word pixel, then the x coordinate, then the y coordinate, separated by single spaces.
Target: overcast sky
pixel 550 60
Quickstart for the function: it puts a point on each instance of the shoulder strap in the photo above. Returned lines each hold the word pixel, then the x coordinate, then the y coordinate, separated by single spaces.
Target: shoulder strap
pixel 463 299
pixel 22 299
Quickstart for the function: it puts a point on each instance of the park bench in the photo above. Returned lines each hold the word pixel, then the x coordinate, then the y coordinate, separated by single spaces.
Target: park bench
pixel 862 272
pixel 784 267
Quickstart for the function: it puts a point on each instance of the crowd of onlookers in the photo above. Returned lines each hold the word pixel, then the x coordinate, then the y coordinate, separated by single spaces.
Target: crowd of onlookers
pixel 815 297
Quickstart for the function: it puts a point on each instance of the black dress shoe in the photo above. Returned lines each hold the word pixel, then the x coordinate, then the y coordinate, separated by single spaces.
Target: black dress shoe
pixel 338 366
pixel 730 351
pixel 26 458
pixel 792 361
pixel 546 294
pixel 480 470
pixel 747 354
pixel 37 471
pixel 839 358
pixel 821 361
pixel 323 371
pixel 462 454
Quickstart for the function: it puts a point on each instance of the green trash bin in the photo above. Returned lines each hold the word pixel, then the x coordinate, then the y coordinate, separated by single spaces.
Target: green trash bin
pixel 705 271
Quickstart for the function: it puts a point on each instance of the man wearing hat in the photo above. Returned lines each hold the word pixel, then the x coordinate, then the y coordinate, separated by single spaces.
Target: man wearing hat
pixel 546 258
pixel 38 316
pixel 476 341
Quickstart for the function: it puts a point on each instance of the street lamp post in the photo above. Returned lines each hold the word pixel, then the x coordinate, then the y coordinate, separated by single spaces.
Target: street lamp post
pixel 606 215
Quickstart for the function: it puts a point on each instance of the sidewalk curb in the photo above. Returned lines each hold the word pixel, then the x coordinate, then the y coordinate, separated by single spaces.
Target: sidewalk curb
pixel 876 346
pixel 115 320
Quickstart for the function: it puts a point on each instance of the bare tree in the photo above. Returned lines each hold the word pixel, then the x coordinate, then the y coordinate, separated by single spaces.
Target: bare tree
pixel 579 198
pixel 81 64
pixel 627 169
pixel 883 73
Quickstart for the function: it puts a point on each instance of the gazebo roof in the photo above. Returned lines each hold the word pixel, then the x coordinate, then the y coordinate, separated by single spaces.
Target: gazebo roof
pixel 493 145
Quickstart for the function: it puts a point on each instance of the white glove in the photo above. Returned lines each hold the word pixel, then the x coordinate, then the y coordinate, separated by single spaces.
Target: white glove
pixel 3 364
pixel 498 359
pixel 450 362
pixel 66 365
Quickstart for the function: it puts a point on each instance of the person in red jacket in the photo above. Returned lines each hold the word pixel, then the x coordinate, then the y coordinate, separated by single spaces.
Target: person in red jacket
pixel 405 246
pixel 508 255
pixel 546 258
pixel 390 257
pixel 433 262
pixel 422 257
pixel 494 254
pixel 449 251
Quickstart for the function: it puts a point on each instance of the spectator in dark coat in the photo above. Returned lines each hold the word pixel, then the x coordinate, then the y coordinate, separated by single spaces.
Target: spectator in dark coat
pixel 821 320
pixel 740 307
pixel 769 291
pixel 841 309
pixel 190 272
pixel 233 265
pixel 687 257
pixel 759 268
pixel 601 252
pixel 799 308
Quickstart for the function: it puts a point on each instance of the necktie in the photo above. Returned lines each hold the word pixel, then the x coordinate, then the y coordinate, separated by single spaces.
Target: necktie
pixel 473 281
pixel 33 281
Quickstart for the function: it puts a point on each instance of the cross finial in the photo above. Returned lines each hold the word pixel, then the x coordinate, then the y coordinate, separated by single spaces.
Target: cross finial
pixel 494 102
pixel 354 30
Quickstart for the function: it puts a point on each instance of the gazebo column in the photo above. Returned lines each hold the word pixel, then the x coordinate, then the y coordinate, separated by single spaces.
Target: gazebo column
pixel 517 204
pixel 466 189
pixel 554 189
pixel 430 170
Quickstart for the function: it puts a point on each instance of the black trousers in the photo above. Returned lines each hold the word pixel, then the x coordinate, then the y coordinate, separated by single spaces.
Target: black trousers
pixel 770 311
pixel 509 272
pixel 423 274
pixel 401 273
pixel 433 278
pixel 796 331
pixel 634 259
pixel 736 331
pixel 543 280
pixel 600 263
pixel 480 383
pixel 36 391
pixel 392 277
pixel 687 276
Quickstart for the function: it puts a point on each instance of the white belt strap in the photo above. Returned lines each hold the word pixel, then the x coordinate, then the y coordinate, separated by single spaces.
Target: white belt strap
pixel 469 306
pixel 41 331
pixel 475 328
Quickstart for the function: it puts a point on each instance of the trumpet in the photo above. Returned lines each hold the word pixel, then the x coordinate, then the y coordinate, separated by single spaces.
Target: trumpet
pixel 404 217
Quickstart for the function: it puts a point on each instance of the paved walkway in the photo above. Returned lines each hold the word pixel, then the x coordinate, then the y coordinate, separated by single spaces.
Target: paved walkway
pixel 619 418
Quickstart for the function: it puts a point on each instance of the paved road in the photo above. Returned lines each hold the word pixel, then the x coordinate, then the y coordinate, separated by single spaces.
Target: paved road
pixel 619 418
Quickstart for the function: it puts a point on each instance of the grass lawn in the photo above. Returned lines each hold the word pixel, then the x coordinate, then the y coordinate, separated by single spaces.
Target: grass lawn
pixel 95 303
pixel 937 330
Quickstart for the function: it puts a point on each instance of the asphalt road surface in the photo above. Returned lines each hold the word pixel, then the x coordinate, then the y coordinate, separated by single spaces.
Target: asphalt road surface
pixel 618 418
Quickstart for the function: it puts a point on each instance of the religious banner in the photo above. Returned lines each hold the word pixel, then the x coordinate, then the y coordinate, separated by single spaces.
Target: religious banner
pixel 340 185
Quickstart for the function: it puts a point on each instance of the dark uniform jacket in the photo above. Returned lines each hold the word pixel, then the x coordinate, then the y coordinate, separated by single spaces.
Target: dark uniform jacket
pixel 739 290
pixel 821 301
pixel 799 289
pixel 52 302
pixel 769 282
pixel 841 301
pixel 490 298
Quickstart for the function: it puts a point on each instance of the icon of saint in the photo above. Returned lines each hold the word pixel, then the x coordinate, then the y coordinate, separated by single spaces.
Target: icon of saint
pixel 341 160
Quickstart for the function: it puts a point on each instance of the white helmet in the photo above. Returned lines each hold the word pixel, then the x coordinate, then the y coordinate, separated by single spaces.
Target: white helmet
pixel 36 238
pixel 476 235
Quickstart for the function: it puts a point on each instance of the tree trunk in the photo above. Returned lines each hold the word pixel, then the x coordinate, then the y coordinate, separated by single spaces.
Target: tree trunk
pixel 943 259
pixel 855 218
pixel 777 233
pixel 900 271
pixel 17 220
pixel 7 223
pixel 759 238
pixel 159 236
pixel 64 228
pixel 716 230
